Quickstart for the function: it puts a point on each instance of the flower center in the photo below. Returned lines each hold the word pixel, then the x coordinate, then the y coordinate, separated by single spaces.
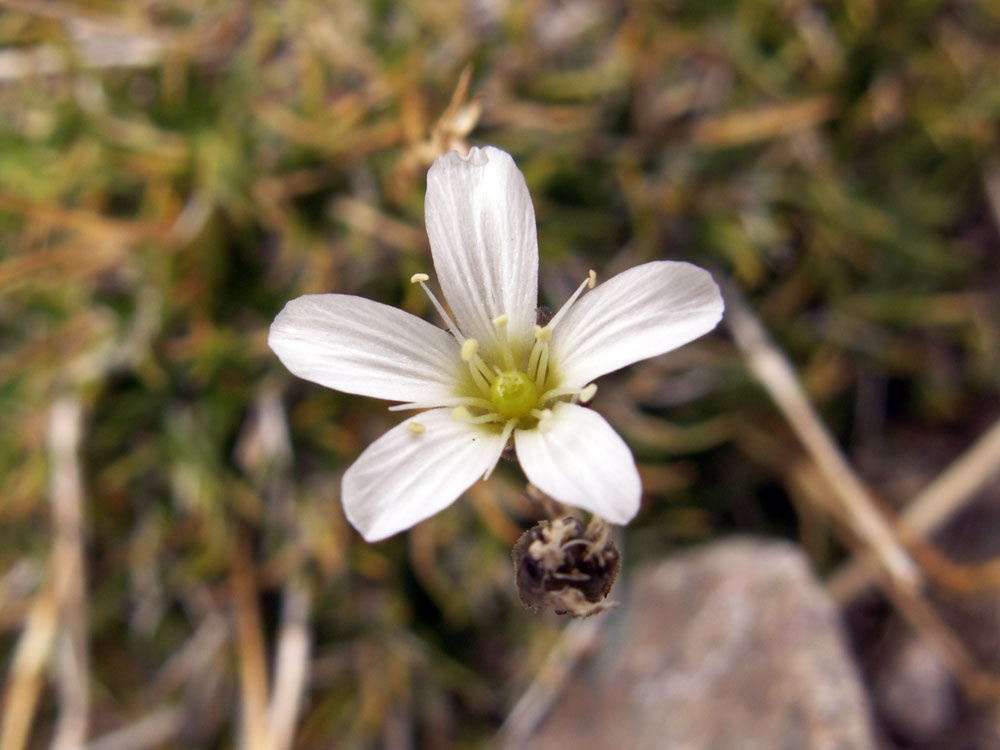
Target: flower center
pixel 520 388
pixel 513 394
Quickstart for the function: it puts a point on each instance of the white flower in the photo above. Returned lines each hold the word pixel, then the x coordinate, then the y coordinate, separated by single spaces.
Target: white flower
pixel 495 376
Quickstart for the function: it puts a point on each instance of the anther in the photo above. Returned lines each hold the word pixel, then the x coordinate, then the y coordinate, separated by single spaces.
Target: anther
pixel 469 349
pixel 543 334
pixel 417 428
pixel 589 283
pixel 588 393
pixel 501 320
pixel 460 413
pixel 545 422
pixel 420 278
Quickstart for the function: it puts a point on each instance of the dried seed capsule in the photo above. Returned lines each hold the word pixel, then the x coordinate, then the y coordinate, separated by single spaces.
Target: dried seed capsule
pixel 563 566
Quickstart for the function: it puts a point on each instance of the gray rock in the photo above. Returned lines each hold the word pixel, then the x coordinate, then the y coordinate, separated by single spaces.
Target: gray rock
pixel 915 692
pixel 730 646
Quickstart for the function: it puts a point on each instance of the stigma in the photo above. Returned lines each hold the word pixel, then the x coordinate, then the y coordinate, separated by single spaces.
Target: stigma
pixel 513 394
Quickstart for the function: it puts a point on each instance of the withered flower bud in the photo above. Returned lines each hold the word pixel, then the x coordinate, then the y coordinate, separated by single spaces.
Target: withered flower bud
pixel 563 566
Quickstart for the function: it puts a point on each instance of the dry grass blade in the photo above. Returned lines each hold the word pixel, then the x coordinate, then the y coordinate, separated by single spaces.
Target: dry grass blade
pixel 266 452
pixel 72 658
pixel 291 663
pixel 24 682
pixel 577 639
pixel 776 375
pixel 931 508
pixel 254 733
pixel 150 731
pixel 765 123
pixel 898 573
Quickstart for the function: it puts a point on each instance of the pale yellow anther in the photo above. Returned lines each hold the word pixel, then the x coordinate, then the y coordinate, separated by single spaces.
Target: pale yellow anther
pixel 545 421
pixel 593 279
pixel 460 412
pixel 417 428
pixel 469 349
pixel 419 277
pixel 543 334
pixel 501 320
pixel 588 393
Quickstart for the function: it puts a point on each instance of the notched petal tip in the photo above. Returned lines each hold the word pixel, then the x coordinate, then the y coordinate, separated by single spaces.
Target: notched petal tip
pixel 477 157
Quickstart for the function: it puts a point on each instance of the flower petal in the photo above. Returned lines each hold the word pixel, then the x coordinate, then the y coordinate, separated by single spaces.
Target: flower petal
pixel 640 313
pixel 404 477
pixel 358 346
pixel 481 226
pixel 580 460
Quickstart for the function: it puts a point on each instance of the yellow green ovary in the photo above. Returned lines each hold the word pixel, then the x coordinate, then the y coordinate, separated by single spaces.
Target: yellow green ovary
pixel 513 394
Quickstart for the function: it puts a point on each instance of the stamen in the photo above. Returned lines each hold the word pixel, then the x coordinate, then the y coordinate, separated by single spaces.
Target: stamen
pixel 480 403
pixel 417 428
pixel 484 419
pixel 536 352
pixel 420 278
pixel 484 369
pixel 542 336
pixel 480 372
pixel 469 349
pixel 501 322
pixel 504 437
pixel 461 414
pixel 589 283
pixel 545 422
pixel 583 395
pixel 480 380
pixel 543 367
pixel 557 392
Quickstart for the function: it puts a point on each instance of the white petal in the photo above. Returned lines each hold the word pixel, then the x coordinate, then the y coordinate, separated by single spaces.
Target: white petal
pixel 580 460
pixel 640 313
pixel 481 226
pixel 404 477
pixel 359 346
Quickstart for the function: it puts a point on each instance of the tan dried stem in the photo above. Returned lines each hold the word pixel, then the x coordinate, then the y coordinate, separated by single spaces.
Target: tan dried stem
pixel 895 569
pixel 254 733
pixel 265 452
pixel 577 640
pixel 24 681
pixel 68 569
pixel 57 618
pixel 929 510
pixel 776 374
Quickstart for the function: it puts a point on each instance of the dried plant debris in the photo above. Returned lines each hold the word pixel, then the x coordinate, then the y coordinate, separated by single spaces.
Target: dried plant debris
pixel 561 565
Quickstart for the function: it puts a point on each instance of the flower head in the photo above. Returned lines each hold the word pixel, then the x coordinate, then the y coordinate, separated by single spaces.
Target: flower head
pixel 494 377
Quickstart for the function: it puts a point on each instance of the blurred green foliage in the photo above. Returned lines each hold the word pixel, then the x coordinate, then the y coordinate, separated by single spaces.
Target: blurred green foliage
pixel 172 172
